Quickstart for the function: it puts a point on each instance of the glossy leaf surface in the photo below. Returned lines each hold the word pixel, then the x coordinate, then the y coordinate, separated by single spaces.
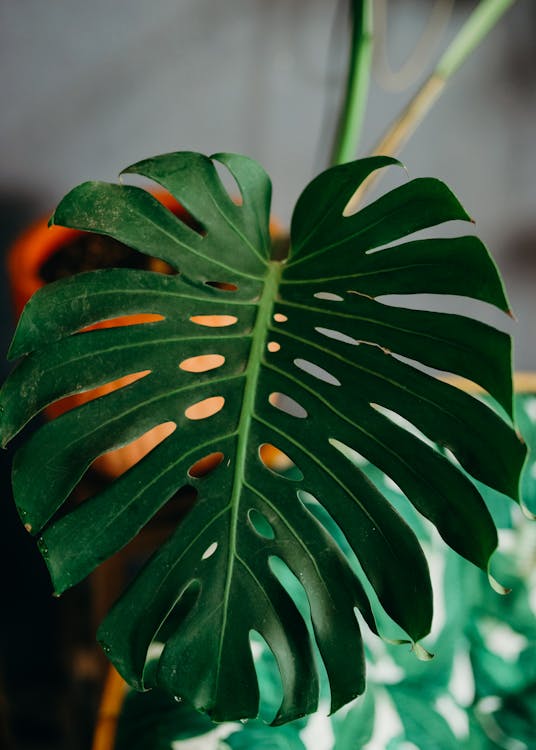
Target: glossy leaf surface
pixel 308 365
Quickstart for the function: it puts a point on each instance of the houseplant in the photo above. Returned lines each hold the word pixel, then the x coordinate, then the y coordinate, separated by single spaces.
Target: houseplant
pixel 307 289
pixel 43 254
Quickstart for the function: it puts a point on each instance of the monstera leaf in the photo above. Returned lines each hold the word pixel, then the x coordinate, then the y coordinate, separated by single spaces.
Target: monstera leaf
pixel 299 355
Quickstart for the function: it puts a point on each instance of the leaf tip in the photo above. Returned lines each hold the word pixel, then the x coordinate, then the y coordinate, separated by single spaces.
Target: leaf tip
pixel 497 587
pixel 420 652
pixel 526 510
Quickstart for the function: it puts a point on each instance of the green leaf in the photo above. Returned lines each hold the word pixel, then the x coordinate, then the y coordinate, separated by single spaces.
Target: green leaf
pixel 305 365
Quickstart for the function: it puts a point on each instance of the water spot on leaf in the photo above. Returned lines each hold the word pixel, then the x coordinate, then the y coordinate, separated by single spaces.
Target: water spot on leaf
pixel 214 321
pixel 287 404
pixel 273 346
pixel 316 371
pixel 223 285
pixel 329 296
pixel 278 462
pixel 202 363
pixel 280 318
pixel 261 524
pixel 205 408
pixel 43 549
pixel 210 550
pixel 330 333
pixel 205 465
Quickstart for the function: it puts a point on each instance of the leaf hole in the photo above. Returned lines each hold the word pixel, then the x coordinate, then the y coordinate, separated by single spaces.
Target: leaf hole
pixel 261 524
pixel 293 585
pixel 316 371
pixel 278 462
pixel 330 333
pixel 118 461
pixel 228 182
pixel 205 408
pixel 67 403
pixel 287 404
pixel 266 664
pixel 205 465
pixel 210 550
pixel 169 626
pixel 202 363
pixel 329 296
pixel 223 285
pixel 124 320
pixel 352 455
pixel 280 318
pixel 273 346
pixel 214 321
pixel 402 422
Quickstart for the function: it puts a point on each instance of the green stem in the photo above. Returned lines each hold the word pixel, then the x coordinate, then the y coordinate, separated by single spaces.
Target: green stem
pixel 357 84
pixel 477 26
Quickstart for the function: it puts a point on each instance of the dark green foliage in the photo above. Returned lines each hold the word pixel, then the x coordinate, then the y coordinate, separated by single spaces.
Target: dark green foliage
pixel 333 392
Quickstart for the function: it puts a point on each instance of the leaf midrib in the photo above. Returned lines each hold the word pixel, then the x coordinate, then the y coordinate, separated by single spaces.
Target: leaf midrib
pixel 252 372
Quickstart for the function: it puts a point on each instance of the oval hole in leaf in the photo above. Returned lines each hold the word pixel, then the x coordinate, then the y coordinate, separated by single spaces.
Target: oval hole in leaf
pixel 329 296
pixel 280 318
pixel 77 399
pixel 125 320
pixel 404 423
pixel 316 371
pixel 261 524
pixel 205 465
pixel 223 285
pixel 205 408
pixel 116 462
pixel 210 550
pixel 337 335
pixel 273 346
pixel 214 321
pixel 353 456
pixel 278 462
pixel 287 404
pixel 202 363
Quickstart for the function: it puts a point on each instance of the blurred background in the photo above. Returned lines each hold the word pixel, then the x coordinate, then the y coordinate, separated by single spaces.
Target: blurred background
pixel 88 88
